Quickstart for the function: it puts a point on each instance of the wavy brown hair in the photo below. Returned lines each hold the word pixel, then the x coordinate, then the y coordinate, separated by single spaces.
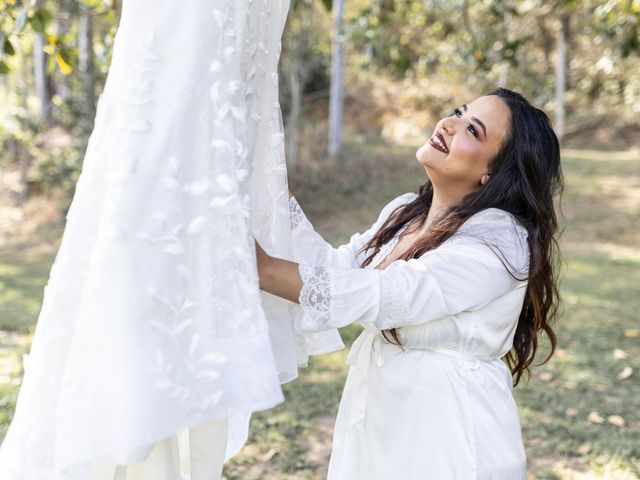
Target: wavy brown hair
pixel 525 178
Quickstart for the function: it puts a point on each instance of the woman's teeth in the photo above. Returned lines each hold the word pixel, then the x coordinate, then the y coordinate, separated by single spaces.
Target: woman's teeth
pixel 436 143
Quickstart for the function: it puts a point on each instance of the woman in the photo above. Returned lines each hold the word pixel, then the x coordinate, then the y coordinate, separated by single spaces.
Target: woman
pixel 446 283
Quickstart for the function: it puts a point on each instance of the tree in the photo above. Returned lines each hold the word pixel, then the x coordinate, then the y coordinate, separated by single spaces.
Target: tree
pixel 304 63
pixel 561 74
pixel 337 80
pixel 86 63
pixel 40 61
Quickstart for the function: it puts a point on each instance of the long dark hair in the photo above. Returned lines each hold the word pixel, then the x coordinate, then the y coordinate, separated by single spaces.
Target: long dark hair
pixel 525 178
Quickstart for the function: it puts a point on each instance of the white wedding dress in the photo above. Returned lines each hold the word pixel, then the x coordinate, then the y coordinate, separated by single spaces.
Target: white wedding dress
pixel 154 342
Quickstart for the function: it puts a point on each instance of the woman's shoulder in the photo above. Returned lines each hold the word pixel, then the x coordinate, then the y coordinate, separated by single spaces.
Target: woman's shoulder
pixel 499 230
pixel 396 202
pixel 399 200
pixel 489 219
pixel 403 198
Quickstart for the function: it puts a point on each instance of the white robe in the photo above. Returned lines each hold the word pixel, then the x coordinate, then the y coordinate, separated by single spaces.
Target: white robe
pixel 441 407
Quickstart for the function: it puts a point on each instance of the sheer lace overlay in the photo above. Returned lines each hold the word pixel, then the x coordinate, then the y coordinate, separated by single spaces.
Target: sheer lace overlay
pixel 152 324
pixel 295 213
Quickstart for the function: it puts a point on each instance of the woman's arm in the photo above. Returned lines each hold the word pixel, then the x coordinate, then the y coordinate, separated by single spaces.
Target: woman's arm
pixel 277 276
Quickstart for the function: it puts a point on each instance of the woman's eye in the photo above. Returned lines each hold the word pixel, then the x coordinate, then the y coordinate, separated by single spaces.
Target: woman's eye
pixel 458 113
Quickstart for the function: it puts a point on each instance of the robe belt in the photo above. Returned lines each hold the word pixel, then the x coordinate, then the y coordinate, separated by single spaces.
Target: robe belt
pixel 184 453
pixel 367 348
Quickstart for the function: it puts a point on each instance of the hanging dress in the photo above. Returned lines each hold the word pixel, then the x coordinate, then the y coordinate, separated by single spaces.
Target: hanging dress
pixel 154 342
pixel 441 406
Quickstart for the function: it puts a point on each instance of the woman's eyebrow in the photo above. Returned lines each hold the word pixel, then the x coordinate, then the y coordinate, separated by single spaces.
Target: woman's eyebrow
pixel 484 129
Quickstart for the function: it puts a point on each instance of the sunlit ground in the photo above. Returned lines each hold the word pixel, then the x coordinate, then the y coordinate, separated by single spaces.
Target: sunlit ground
pixel 580 412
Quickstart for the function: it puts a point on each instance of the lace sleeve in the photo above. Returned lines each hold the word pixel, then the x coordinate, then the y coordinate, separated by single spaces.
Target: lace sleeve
pixel 315 298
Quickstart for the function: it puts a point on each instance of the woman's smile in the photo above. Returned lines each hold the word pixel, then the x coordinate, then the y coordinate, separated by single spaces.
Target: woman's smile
pixel 438 142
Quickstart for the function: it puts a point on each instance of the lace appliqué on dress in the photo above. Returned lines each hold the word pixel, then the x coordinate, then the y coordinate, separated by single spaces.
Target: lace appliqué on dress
pixel 314 298
pixel 295 213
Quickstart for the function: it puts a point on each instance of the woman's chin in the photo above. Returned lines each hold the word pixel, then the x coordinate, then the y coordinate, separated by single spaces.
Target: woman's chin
pixel 424 158
pixel 422 155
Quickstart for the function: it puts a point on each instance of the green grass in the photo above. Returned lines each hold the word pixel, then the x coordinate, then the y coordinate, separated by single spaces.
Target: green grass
pixel 598 329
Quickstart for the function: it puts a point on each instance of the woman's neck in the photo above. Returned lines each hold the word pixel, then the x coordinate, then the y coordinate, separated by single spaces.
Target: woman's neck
pixel 440 203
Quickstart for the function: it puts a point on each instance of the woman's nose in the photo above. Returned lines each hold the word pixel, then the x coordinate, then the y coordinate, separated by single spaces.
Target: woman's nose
pixel 447 126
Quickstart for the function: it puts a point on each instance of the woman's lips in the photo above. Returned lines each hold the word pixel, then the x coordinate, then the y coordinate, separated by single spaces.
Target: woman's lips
pixel 437 142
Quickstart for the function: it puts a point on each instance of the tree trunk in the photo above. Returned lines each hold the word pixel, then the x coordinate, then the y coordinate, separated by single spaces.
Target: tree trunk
pixel 20 155
pixel 86 63
pixel 23 160
pixel 561 72
pixel 504 74
pixel 294 114
pixel 40 76
pixel 61 85
pixel 546 38
pixel 504 66
pixel 337 76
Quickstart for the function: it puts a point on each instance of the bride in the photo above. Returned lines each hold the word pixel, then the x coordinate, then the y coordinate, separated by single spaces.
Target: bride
pixel 447 282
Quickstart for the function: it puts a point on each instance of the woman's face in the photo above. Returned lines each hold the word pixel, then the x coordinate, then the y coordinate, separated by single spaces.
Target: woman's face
pixel 457 156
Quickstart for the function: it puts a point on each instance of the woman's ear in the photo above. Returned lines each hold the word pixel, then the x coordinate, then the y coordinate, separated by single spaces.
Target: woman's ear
pixel 484 179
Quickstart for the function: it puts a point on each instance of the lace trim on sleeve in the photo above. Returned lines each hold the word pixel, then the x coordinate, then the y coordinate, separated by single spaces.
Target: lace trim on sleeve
pixel 394 305
pixel 295 213
pixel 314 298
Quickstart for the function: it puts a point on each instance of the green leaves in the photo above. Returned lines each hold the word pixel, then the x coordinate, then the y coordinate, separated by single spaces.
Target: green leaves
pixel 620 20
pixel 91 3
pixel 6 49
pixel 65 60
pixel 328 4
pixel 40 19
pixel 60 55
pixel 7 46
pixel 15 17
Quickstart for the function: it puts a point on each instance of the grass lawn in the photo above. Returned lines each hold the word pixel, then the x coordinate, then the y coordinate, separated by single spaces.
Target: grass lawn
pixel 580 412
